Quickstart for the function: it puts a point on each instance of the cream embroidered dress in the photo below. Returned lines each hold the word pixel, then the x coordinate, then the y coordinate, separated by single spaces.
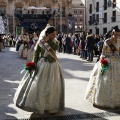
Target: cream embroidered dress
pixel 45 90
pixel 104 90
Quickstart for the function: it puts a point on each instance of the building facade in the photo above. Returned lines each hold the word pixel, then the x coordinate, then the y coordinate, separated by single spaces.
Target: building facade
pixel 79 15
pixel 22 13
pixel 102 15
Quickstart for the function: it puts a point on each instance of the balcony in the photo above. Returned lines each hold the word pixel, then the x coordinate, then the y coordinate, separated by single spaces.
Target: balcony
pixel 97 9
pixel 104 20
pixel 105 7
pixel 114 4
pixel 90 10
pixel 90 22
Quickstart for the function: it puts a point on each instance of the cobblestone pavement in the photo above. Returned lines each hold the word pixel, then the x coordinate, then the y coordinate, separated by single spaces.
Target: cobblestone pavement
pixel 76 73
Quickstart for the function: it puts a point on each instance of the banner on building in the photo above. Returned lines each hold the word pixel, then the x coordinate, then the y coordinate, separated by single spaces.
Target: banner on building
pixel 2 26
pixel 18 30
pixel 71 24
pixel 100 12
pixel 5 22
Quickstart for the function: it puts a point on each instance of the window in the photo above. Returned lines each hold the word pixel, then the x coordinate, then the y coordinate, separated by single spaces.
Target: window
pixel 81 20
pixel 90 20
pixel 109 3
pixel 81 12
pixel 90 10
pixel 113 16
pixel 75 11
pixel 114 3
pixel 97 6
pixel 104 30
pixel 105 4
pixel 105 18
pixel 97 31
pixel 97 18
pixel 90 30
pixel 93 18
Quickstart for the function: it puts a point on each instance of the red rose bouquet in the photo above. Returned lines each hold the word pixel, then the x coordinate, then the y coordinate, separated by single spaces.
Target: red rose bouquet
pixel 29 66
pixel 105 65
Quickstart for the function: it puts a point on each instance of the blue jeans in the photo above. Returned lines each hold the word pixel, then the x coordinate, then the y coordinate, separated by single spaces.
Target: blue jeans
pixel 90 55
pixel 83 53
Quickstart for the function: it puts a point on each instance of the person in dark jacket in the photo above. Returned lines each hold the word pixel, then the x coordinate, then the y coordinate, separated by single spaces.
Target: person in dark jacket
pixel 75 43
pixel 68 40
pixel 60 42
pixel 90 46
pixel 83 51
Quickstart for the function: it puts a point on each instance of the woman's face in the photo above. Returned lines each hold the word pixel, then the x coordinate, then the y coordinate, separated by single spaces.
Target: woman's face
pixel 52 35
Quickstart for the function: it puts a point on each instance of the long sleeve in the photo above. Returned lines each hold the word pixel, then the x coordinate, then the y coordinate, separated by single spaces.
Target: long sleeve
pixel 54 45
pixel 36 53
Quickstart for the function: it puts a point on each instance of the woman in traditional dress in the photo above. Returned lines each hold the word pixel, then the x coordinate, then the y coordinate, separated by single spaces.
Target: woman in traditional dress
pixel 104 89
pixel 26 48
pixel 21 42
pixel 31 53
pixel 44 91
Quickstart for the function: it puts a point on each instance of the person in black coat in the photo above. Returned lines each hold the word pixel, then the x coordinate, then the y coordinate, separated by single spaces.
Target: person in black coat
pixel 60 42
pixel 68 40
pixel 90 42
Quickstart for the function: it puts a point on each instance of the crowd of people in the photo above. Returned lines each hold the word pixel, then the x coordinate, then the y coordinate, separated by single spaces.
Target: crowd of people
pixel 7 40
pixel 85 46
pixel 25 45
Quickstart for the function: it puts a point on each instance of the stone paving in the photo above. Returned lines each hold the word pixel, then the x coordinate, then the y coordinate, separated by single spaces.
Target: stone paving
pixel 76 73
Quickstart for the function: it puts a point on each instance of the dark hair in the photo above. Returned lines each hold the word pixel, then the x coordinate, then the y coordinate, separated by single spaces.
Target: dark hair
pixel 51 29
pixel 88 32
pixel 114 29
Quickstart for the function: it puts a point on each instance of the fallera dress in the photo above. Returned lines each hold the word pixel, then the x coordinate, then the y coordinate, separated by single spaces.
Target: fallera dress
pixel 44 91
pixel 104 90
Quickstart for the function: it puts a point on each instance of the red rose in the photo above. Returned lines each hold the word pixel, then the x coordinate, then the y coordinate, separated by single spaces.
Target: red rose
pixel 103 61
pixel 30 64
